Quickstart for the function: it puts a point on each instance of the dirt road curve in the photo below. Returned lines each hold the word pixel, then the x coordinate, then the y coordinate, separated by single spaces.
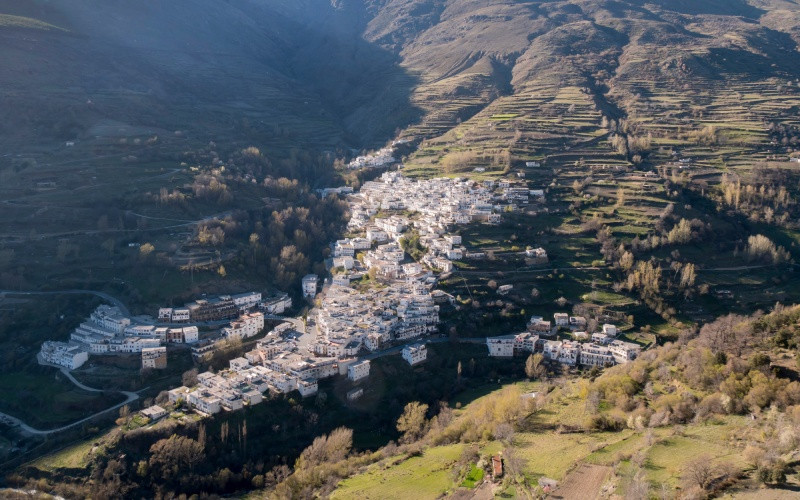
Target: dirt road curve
pixel 129 398
pixel 113 300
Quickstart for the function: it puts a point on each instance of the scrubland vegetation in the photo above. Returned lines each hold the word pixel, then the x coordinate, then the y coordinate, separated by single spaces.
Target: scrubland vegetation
pixel 716 411
pixel 663 134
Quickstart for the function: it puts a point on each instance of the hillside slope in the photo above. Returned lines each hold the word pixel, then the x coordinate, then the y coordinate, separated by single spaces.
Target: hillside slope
pixel 206 66
pixel 652 64
pixel 357 70
pixel 715 416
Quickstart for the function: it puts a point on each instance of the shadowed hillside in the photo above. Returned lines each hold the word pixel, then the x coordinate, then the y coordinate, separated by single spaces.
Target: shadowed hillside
pixel 207 66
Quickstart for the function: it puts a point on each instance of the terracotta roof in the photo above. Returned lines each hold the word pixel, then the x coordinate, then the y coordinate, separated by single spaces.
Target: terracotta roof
pixel 497 466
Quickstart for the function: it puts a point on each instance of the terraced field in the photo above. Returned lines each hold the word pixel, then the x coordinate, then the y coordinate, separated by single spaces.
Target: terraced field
pixel 627 133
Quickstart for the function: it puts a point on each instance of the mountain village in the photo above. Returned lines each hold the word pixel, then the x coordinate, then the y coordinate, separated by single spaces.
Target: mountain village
pixel 378 300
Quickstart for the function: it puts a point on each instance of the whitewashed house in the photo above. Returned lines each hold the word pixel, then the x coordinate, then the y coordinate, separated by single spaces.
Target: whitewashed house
pixel 415 353
pixel 501 347
pixel 358 371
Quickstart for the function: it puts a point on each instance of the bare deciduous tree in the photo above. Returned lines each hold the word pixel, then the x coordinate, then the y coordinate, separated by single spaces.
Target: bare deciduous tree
pixel 639 488
pixel 700 472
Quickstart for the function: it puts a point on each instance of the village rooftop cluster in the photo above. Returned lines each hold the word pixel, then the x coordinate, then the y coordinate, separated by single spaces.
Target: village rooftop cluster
pixel 109 331
pixel 396 307
pixel 399 307
pixel 278 366
pixel 602 349
pixel 378 159
pixel 275 364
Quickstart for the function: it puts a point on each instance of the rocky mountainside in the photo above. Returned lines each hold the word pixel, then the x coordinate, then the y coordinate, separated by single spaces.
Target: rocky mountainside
pixel 354 71
pixel 622 54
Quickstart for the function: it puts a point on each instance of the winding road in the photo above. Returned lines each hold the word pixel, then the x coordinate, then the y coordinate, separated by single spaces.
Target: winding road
pixel 130 397
pixel 110 298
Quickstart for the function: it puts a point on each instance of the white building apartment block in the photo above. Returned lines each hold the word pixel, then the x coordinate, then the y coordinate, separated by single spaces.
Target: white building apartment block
pixel 63 354
pixel 343 248
pixel 577 322
pixel 239 364
pixel 361 243
pixel 309 283
pixel 245 301
pixel 178 394
pixel 601 338
pixel 341 280
pixel 374 341
pixel 277 304
pixel 180 315
pixel 501 347
pixel 204 401
pixel 131 344
pixel 551 349
pixel 110 318
pixel 569 353
pixel 595 355
pixel 185 335
pixel 415 353
pixel 248 325
pixel 346 262
pixel 453 239
pixel 526 342
pixel 307 387
pixel 359 370
pixel 624 351
pixel 376 234
pixel 154 358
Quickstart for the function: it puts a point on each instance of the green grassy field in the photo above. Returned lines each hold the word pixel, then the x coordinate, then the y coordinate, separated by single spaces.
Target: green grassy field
pixel 427 476
pixel 72 457
pixel 473 478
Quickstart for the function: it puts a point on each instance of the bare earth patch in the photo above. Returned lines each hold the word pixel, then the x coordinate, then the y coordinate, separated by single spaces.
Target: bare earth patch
pixel 485 491
pixel 583 483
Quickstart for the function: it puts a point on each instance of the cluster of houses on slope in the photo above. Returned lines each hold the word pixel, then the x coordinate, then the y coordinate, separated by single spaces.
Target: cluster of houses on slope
pixel 603 349
pixel 224 307
pixel 275 365
pixel 108 331
pixel 349 321
pixel 380 158
pixel 439 203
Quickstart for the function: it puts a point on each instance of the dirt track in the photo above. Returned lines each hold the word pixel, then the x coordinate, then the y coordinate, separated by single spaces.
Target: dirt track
pixel 583 483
